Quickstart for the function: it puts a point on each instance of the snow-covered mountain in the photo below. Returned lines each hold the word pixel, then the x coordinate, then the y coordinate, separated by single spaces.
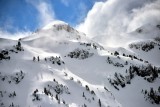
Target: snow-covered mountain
pixel 57 66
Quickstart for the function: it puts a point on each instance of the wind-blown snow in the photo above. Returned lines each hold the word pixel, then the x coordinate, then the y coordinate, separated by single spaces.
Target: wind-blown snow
pixel 111 21
pixel 56 22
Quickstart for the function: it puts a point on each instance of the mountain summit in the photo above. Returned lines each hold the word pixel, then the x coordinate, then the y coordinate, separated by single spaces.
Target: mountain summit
pixel 54 23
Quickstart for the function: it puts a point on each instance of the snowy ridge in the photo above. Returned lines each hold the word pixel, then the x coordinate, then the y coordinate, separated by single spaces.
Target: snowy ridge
pixel 58 66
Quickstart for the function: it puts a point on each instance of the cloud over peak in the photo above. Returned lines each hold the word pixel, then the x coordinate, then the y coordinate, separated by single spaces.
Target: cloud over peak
pixel 108 21
pixel 45 10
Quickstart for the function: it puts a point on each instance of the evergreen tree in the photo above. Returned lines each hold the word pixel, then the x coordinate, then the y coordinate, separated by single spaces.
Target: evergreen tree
pixel 83 94
pixel 87 88
pixel 99 101
pixel 116 53
pixel 152 93
pixel 14 93
pixel 159 89
pixel 19 44
pixel 92 92
pixel 85 105
pixel 45 91
pixel 126 63
pixel 38 58
pixel 34 58
pixel 57 97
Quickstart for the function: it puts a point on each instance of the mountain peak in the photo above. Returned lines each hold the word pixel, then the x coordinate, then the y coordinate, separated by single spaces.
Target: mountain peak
pixel 54 23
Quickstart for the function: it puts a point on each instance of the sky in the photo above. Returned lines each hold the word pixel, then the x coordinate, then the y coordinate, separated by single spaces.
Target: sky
pixel 110 22
pixel 28 15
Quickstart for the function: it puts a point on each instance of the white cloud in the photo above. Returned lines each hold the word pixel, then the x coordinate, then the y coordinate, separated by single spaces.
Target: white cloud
pixel 46 12
pixel 109 21
pixel 81 11
pixel 46 15
pixel 9 26
pixel 14 36
pixel 65 2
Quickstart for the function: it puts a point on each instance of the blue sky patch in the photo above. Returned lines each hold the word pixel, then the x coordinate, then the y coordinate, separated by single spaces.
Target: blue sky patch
pixel 22 15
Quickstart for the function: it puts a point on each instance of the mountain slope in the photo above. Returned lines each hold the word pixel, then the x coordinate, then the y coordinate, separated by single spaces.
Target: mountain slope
pixel 59 66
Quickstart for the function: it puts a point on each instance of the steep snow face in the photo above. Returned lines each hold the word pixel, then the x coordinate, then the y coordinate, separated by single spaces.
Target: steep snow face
pixel 147 31
pixel 56 30
pixel 59 66
pixel 56 38
pixel 148 50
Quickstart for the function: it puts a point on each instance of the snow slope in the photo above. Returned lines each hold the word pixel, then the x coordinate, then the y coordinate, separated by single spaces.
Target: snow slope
pixel 71 71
